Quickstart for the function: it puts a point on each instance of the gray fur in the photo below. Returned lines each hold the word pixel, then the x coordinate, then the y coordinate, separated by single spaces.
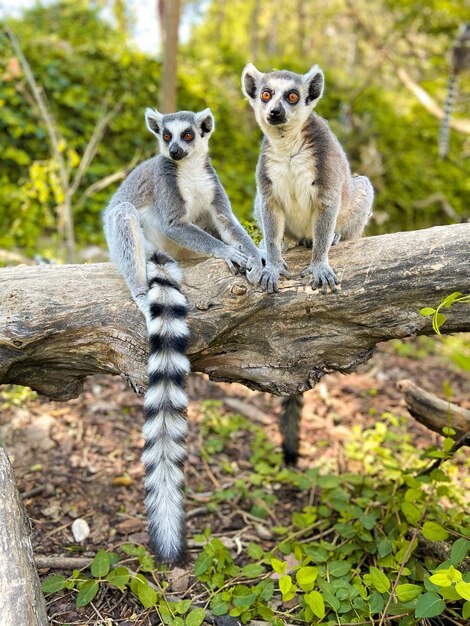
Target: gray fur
pixel 459 62
pixel 175 206
pixel 305 189
pixel 172 204
pixel 289 425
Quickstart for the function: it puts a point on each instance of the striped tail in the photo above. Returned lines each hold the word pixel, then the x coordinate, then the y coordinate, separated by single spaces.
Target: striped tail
pixel 165 407
pixel 289 422
pixel 445 125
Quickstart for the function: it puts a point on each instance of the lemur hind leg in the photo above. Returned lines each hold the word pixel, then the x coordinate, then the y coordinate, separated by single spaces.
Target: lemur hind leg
pixel 126 244
pixel 353 218
pixel 289 423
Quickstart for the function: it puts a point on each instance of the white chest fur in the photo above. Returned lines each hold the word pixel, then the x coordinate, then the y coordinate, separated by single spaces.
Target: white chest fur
pixel 291 169
pixel 196 187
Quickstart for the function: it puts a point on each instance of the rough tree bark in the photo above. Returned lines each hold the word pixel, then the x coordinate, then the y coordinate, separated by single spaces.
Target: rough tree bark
pixel 433 412
pixel 58 324
pixel 21 599
pixel 169 13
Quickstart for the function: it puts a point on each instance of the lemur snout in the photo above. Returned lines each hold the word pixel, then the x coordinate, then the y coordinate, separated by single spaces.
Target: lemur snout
pixel 176 152
pixel 276 116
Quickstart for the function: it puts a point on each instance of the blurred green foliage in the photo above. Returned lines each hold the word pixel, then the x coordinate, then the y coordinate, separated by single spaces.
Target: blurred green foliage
pixel 81 61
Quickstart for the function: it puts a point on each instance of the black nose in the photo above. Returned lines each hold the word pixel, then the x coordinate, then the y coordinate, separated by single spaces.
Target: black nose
pixel 176 153
pixel 275 113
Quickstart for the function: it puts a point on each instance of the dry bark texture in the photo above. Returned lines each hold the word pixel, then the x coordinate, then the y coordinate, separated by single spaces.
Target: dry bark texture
pixel 433 412
pixel 21 600
pixel 58 324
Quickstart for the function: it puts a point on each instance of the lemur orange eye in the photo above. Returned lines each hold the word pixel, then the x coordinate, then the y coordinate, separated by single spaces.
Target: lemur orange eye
pixel 166 137
pixel 188 136
pixel 293 97
pixel 266 95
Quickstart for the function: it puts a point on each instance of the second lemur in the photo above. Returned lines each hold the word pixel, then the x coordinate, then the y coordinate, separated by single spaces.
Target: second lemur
pixel 171 207
pixel 305 189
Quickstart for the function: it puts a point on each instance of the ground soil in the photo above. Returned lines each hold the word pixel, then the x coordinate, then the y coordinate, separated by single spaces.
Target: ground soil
pixel 80 459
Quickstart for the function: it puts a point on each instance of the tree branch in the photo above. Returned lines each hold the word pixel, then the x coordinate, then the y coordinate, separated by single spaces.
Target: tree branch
pixel 58 324
pixel 432 412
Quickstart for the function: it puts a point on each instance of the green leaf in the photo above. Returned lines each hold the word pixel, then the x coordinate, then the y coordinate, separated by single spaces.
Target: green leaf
pixel 449 300
pixel 440 579
pixel 429 605
pixel 306 577
pixel 438 320
pixel 252 570
pixel 408 592
pixel 147 596
pixel 255 551
pixel 287 588
pixel 315 601
pixel 203 562
pixel 52 584
pixel 411 512
pixel 245 600
pixel 132 549
pixel 87 592
pixel 278 566
pixel 459 551
pixel 463 589
pixel 379 580
pixel 466 610
pixel 434 532
pixel 118 577
pixel 339 568
pixel 220 609
pixel 427 311
pixel 376 603
pixel 195 617
pixel 100 565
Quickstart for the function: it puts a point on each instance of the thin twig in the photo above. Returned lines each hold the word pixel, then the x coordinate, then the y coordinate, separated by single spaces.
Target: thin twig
pixel 108 180
pixel 92 146
pixel 55 138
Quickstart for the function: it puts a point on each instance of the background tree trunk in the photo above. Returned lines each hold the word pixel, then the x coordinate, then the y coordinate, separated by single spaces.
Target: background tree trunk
pixel 169 12
pixel 58 324
pixel 21 599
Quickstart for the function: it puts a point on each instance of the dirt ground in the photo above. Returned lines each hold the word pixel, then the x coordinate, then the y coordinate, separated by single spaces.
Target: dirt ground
pixel 80 459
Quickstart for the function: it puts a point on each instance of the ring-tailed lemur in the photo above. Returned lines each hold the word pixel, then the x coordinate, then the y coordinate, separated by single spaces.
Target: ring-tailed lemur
pixel 459 61
pixel 305 190
pixel 173 204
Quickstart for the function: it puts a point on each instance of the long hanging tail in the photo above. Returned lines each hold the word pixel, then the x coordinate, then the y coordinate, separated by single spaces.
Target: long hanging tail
pixel 165 406
pixel 289 422
pixel 448 108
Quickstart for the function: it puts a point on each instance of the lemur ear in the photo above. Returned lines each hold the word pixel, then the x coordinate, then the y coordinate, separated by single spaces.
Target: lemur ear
pixel 205 122
pixel 314 82
pixel 250 80
pixel 154 120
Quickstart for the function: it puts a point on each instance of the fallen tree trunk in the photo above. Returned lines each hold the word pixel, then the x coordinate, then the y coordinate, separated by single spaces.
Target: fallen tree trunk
pixel 433 412
pixel 21 599
pixel 59 324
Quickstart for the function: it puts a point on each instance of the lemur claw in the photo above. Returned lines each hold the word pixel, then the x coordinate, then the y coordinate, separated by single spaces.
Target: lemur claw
pixel 270 276
pixel 322 277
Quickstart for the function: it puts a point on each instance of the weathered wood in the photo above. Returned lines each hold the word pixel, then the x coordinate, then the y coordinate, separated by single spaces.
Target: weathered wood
pixel 58 324
pixel 432 412
pixel 21 599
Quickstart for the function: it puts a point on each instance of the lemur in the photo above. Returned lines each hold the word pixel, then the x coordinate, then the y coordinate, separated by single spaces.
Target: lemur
pixel 459 61
pixel 170 207
pixel 305 191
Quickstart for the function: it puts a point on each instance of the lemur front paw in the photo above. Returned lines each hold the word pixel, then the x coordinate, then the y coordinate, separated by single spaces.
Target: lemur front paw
pixel 235 260
pixel 254 270
pixel 270 276
pixel 322 276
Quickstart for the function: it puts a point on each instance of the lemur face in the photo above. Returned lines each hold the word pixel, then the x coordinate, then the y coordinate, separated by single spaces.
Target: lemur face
pixel 183 134
pixel 282 98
